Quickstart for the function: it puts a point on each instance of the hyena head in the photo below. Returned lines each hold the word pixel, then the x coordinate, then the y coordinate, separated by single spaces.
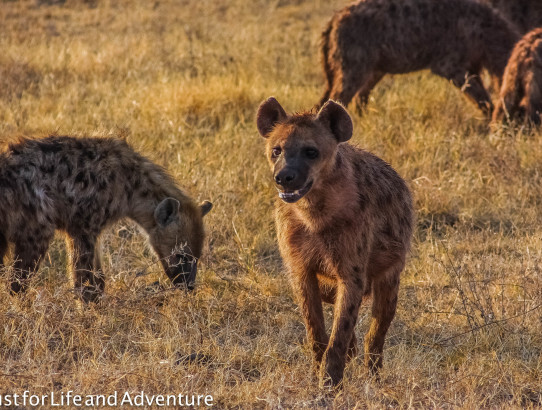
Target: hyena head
pixel 301 148
pixel 178 237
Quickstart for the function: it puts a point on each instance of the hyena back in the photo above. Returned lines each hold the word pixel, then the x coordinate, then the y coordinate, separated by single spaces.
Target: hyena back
pixel 520 97
pixel 456 39
pixel 526 15
pixel 80 186
pixel 344 224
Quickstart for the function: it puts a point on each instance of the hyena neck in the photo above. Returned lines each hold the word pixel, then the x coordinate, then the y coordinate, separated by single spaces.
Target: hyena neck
pixel 330 198
pixel 153 188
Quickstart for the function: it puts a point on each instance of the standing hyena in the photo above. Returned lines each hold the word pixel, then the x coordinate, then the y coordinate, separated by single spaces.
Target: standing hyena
pixel 521 93
pixel 344 226
pixel 456 39
pixel 525 14
pixel 81 185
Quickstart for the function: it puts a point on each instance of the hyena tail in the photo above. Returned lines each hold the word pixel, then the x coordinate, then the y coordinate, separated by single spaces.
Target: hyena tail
pixel 328 70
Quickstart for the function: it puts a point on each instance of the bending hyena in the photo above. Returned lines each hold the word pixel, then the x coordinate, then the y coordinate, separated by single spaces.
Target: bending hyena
pixel 521 93
pixel 525 14
pixel 81 185
pixel 344 226
pixel 456 39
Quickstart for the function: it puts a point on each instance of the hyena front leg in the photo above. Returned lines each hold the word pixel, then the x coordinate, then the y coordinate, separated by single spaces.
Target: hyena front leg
pixel 29 253
pixel 3 249
pixel 347 303
pixel 385 290
pixel 89 281
pixel 308 294
pixel 329 294
pixel 533 95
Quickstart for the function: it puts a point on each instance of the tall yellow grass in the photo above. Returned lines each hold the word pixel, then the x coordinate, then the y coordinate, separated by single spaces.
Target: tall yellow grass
pixel 182 80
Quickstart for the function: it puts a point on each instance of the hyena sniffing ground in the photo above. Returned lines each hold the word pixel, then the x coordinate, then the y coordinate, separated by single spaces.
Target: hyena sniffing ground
pixel 344 226
pixel 456 39
pixel 520 97
pixel 81 185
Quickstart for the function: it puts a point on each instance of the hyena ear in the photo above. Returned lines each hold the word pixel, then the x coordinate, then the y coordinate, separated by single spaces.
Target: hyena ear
pixel 205 207
pixel 334 116
pixel 269 113
pixel 166 211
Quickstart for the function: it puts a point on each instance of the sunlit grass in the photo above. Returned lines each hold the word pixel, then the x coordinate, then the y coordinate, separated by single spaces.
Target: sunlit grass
pixel 182 81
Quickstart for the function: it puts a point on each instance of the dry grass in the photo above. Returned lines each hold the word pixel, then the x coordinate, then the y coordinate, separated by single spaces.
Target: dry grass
pixel 183 80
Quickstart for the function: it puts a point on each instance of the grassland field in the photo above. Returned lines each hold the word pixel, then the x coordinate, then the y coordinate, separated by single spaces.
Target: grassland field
pixel 182 80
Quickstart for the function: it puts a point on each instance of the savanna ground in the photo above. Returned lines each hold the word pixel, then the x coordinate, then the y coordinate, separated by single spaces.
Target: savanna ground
pixel 181 81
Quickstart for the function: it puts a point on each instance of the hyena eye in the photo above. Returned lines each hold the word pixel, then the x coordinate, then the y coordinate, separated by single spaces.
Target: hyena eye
pixel 275 152
pixel 311 153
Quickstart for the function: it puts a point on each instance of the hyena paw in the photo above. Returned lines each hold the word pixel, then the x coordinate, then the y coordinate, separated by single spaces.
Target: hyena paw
pixel 373 363
pixel 331 373
pixel 318 351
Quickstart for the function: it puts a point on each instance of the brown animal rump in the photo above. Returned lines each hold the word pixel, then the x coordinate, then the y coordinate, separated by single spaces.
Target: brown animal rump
pixel 456 39
pixel 344 221
pixel 521 93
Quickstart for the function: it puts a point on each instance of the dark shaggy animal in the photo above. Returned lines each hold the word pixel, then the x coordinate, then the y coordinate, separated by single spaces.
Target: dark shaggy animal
pixel 81 185
pixel 344 222
pixel 455 39
pixel 521 93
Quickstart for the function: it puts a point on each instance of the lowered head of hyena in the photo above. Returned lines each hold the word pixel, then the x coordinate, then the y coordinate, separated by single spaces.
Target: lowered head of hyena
pixel 177 237
pixel 308 154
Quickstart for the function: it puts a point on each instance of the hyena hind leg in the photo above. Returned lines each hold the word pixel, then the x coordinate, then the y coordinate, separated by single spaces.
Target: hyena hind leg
pixel 88 279
pixel 362 96
pixel 385 290
pixel 352 83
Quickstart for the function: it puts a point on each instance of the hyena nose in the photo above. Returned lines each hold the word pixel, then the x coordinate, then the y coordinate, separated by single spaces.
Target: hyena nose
pixel 283 178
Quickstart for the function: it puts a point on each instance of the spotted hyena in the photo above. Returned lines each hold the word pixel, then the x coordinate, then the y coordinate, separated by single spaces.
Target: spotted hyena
pixel 455 39
pixel 521 93
pixel 344 222
pixel 82 185
pixel 525 14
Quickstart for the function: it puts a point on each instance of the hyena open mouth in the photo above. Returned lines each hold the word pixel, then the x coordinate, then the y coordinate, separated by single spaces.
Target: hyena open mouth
pixel 294 196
